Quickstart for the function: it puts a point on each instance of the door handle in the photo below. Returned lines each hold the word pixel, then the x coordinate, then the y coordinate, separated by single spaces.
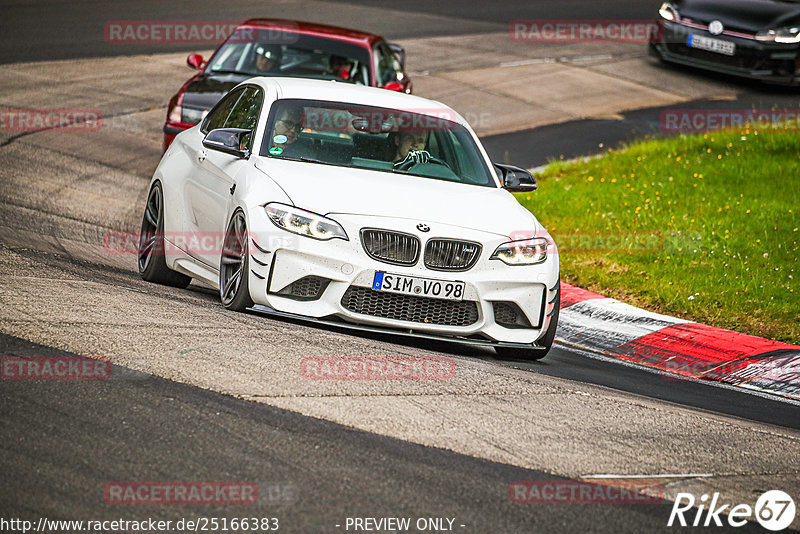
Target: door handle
pixel 201 156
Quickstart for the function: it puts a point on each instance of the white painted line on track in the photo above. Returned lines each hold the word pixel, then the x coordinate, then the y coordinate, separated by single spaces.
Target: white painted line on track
pixel 567 59
pixel 563 59
pixel 665 475
pixel 521 62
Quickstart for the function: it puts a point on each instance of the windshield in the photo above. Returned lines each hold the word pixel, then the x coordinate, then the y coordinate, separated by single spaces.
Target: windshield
pixel 255 52
pixel 366 137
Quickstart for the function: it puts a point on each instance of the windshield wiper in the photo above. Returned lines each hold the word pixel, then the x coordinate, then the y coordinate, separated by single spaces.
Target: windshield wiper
pixel 306 160
pixel 223 71
pixel 312 160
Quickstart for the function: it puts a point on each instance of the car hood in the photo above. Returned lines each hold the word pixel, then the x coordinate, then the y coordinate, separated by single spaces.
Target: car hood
pixel 205 90
pixel 331 190
pixel 749 15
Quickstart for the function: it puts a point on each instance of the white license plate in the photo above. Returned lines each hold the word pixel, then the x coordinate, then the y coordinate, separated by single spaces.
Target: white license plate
pixel 712 45
pixel 418 287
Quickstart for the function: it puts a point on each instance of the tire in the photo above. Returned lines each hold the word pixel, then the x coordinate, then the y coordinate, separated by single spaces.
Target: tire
pixel 151 252
pixel 512 353
pixel 234 266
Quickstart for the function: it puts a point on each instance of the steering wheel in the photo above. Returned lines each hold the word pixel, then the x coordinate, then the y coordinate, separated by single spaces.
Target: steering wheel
pixel 416 157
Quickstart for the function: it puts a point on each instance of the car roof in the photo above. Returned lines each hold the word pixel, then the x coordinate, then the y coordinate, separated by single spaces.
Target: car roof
pixel 310 28
pixel 310 89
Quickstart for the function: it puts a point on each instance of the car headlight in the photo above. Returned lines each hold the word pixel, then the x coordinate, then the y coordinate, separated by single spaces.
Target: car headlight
pixel 781 35
pixel 304 222
pixel 668 12
pixel 526 252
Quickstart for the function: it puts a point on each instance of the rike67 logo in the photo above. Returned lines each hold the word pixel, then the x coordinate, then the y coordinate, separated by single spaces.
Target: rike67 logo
pixel 774 510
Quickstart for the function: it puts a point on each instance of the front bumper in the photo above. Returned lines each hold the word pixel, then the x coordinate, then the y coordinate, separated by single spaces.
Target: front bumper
pixel 278 259
pixel 768 62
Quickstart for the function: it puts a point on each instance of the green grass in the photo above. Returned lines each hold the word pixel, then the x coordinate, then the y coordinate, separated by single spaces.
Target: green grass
pixel 722 210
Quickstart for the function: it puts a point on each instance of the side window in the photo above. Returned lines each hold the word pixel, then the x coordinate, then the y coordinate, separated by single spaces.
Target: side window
pixel 246 111
pixel 386 64
pixel 217 116
pixel 466 163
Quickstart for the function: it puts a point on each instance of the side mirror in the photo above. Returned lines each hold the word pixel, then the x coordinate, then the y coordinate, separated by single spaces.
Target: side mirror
pixel 195 61
pixel 394 86
pixel 229 140
pixel 515 179
pixel 400 52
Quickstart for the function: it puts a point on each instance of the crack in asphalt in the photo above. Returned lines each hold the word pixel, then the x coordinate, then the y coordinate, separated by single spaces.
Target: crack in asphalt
pixel 15 138
pixel 39 212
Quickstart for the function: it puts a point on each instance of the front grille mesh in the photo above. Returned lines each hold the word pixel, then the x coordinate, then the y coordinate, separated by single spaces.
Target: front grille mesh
pixel 391 247
pixel 508 314
pixel 423 310
pixel 307 288
pixel 745 58
pixel 451 255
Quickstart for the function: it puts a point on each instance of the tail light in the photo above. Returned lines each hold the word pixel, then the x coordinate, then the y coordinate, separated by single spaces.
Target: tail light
pixel 175 108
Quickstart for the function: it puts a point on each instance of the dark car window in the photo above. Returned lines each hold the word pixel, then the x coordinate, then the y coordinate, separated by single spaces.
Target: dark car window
pixel 291 54
pixel 386 64
pixel 368 137
pixel 216 117
pixel 246 111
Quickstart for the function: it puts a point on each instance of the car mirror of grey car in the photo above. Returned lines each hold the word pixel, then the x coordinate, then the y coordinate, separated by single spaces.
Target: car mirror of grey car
pixel 231 141
pixel 400 52
pixel 515 179
pixel 195 61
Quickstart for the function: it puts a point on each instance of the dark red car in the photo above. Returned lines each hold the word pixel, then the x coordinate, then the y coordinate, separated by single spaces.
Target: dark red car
pixel 274 47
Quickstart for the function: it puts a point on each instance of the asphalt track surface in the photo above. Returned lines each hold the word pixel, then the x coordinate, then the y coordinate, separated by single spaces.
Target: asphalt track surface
pixel 573 139
pixel 63 29
pixel 148 428
pixel 64 441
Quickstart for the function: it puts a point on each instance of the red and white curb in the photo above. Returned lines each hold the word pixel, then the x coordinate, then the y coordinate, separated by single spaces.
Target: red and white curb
pixel 610 327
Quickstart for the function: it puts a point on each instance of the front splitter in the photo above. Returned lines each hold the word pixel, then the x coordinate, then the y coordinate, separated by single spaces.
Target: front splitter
pixel 266 310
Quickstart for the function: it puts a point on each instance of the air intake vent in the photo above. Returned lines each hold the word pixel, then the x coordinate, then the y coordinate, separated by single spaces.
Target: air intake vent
pixel 451 254
pixel 307 288
pixel 390 247
pixel 423 310
pixel 508 314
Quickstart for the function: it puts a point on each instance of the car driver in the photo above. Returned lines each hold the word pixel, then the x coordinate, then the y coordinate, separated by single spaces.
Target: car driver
pixel 268 58
pixel 411 147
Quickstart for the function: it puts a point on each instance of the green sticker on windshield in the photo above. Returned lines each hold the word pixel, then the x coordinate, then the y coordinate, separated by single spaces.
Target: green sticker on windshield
pixel 276 151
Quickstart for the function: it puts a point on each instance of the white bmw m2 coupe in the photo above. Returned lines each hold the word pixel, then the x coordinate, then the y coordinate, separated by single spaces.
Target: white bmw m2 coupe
pixel 353 206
